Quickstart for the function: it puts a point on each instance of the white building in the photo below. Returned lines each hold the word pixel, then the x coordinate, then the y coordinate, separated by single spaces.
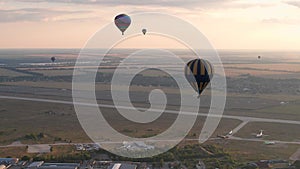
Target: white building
pixel 35 164
pixel 122 166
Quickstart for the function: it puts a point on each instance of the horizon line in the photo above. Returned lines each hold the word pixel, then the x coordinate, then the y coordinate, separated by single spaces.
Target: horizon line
pixel 221 49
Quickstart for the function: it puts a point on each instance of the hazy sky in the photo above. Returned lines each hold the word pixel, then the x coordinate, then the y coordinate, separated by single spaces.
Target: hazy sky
pixel 228 24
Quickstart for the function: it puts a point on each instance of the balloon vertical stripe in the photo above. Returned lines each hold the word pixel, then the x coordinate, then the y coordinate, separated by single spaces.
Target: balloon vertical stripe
pixel 202 72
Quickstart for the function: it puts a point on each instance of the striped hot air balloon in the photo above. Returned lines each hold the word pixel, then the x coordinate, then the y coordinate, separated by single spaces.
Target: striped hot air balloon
pixel 122 21
pixel 199 72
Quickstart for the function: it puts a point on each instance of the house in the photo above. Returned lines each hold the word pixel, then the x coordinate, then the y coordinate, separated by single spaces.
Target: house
pixel 8 161
pixel 59 166
pixel 122 166
pixel 35 164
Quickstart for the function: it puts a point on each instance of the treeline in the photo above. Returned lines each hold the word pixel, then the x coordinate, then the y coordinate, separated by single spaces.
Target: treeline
pixel 36 78
pixel 62 158
pixel 23 71
pixel 242 84
pixel 188 156
pixel 255 85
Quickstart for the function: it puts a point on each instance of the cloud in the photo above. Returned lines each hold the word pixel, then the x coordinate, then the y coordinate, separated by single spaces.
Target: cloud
pixel 281 21
pixel 245 4
pixel 175 3
pixel 293 3
pixel 190 7
pixel 190 4
pixel 33 14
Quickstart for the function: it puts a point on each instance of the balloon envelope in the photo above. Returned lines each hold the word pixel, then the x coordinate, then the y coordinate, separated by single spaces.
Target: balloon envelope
pixel 144 31
pixel 198 73
pixel 53 59
pixel 122 21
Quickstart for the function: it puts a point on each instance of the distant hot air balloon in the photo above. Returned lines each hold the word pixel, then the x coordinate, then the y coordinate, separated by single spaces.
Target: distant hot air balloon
pixel 199 72
pixel 53 59
pixel 144 31
pixel 258 57
pixel 122 21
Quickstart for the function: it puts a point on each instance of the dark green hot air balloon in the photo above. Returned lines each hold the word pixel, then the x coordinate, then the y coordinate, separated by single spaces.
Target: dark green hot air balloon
pixel 199 72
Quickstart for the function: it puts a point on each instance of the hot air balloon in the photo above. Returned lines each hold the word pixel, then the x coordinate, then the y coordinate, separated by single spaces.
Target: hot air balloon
pixel 144 31
pixel 122 21
pixel 198 72
pixel 258 57
pixel 53 59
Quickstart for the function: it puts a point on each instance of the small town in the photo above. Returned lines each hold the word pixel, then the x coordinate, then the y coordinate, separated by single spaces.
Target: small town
pixel 15 163
pixel 93 157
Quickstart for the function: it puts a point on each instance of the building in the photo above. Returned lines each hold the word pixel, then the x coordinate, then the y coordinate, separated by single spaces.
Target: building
pixel 59 166
pixel 200 165
pixel 122 166
pixel 35 164
pixel 137 145
pixel 8 161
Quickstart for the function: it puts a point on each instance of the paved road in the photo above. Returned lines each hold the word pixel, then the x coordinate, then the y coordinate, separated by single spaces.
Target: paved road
pixel 241 118
pixel 235 130
pixel 119 142
pixel 244 120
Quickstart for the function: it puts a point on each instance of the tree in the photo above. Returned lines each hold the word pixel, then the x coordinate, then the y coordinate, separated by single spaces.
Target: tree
pixel 25 158
pixel 161 163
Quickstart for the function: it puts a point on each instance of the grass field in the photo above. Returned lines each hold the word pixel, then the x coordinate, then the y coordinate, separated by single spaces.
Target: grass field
pixel 56 72
pixel 233 72
pixel 11 73
pixel 285 113
pixel 276 71
pixel 253 151
pixel 19 152
pixel 274 131
pixel 283 67
pixel 24 121
pixel 21 119
pixel 287 108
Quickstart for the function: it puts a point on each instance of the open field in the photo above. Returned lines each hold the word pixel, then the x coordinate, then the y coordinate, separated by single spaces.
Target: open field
pixel 244 104
pixel 101 86
pixel 24 121
pixel 234 72
pixel 61 129
pixel 245 151
pixel 290 108
pixel 275 71
pixel 56 151
pixel 274 131
pixel 11 73
pixel 56 72
pixel 278 67
pixel 13 151
pixel 253 151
